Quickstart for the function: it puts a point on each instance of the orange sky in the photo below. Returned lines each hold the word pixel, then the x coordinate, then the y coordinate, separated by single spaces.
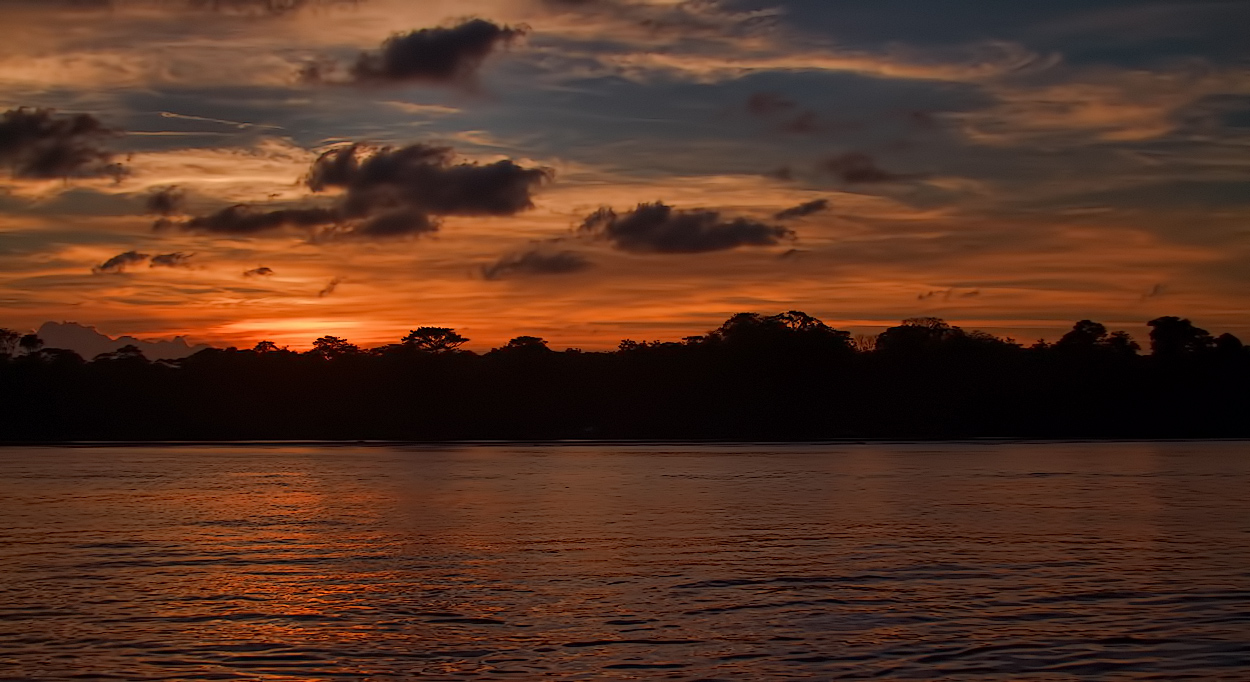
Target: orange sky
pixel 1023 170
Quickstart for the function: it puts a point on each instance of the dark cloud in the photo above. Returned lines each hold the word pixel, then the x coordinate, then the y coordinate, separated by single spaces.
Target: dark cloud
pixel 402 223
pixel 259 272
pixel 330 287
pixel 805 123
pixel 263 7
pixel 947 294
pixel 166 201
pixel 118 264
pixel 860 168
pixel 424 178
pixel 803 210
pixel 706 18
pixel 172 260
pixel 443 56
pixel 389 192
pixel 772 106
pixel 228 7
pixel 658 228
pixel 536 262
pixel 765 104
pixel 247 220
pixel 39 144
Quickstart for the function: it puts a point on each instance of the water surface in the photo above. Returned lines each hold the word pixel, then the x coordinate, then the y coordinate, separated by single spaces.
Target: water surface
pixel 1058 561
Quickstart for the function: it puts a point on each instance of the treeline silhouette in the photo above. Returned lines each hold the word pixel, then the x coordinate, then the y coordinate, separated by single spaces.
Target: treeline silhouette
pixel 778 377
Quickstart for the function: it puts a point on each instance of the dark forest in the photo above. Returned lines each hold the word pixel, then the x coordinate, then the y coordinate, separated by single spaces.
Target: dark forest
pixel 783 377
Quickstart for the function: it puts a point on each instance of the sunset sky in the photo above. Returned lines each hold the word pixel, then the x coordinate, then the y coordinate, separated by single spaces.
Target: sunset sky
pixel 593 170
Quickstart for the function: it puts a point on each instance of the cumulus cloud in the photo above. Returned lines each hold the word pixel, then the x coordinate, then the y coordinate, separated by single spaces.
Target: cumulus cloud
pixel 118 264
pixel 424 178
pixel 659 228
pixel 388 192
pixel 536 262
pixel 441 56
pixel 803 210
pixel 259 272
pixel 39 144
pixel 860 168
pixel 172 260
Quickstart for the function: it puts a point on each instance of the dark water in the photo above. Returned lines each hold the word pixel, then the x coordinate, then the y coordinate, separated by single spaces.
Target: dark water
pixel 1122 561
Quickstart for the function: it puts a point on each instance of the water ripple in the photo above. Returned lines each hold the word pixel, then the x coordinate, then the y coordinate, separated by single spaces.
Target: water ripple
pixel 996 563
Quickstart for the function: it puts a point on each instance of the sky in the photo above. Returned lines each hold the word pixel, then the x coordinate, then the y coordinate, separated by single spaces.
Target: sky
pixel 594 170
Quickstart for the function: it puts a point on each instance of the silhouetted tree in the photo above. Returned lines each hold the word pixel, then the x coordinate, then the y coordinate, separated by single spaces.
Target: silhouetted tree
pixel 9 341
pixel 434 340
pixel 1121 343
pixel 57 356
pixel 1088 336
pixel 524 345
pixel 788 376
pixel 1085 334
pixel 916 336
pixel 1173 337
pixel 331 347
pixel 793 328
pixel 1229 346
pixel 266 347
pixel 127 354
pixel 30 343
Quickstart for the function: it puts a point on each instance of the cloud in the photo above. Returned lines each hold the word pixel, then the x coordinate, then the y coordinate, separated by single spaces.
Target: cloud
pixel 172 260
pixel 241 219
pixel 118 264
pixel 659 228
pixel 330 287
pixel 263 7
pixel 536 262
pixel 401 223
pixel 230 7
pixel 859 168
pixel 259 272
pixel 665 20
pixel 423 178
pixel 765 104
pixel 441 56
pixel 165 202
pixel 771 106
pixel 388 192
pixel 38 144
pixel 803 210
